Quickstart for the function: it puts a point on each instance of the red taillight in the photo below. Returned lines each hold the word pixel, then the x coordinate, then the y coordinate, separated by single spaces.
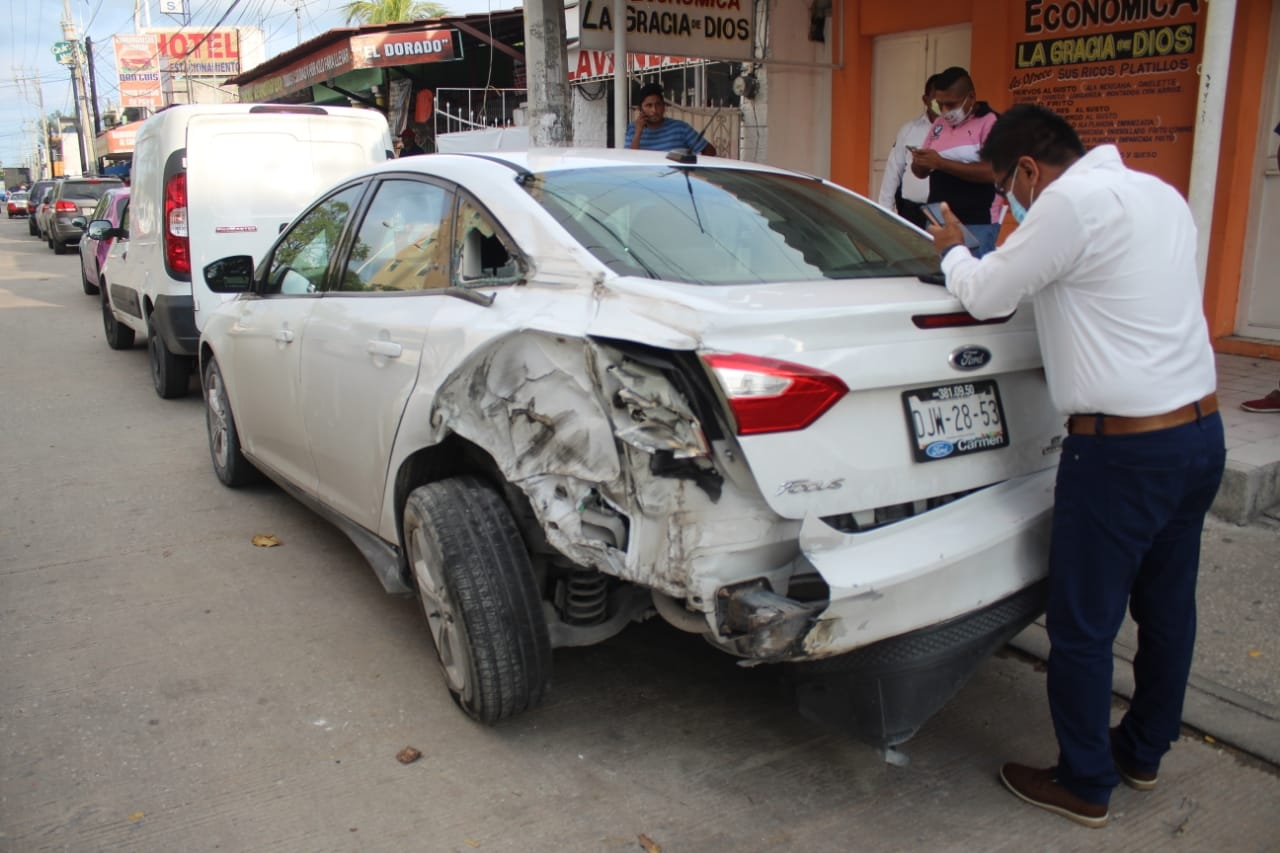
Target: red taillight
pixel 954 320
pixel 177 243
pixel 768 395
pixel 65 207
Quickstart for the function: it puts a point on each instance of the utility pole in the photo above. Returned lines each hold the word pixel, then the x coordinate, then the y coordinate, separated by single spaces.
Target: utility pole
pixel 547 70
pixel 42 144
pixel 70 34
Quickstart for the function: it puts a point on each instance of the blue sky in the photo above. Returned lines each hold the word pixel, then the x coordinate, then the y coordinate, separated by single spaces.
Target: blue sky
pixel 34 26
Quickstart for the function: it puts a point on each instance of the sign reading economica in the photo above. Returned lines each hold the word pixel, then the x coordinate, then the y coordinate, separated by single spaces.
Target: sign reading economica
pixel 707 29
pixel 1121 71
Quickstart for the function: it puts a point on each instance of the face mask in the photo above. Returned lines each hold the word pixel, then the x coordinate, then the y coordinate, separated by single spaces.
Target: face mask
pixel 952 117
pixel 1015 207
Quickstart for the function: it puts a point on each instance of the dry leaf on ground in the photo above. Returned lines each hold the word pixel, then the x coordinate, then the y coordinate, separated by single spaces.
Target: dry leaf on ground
pixel 649 845
pixel 408 755
pixel 265 540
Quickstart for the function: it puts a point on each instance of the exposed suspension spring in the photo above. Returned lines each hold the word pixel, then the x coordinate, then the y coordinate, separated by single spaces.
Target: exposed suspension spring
pixel 586 599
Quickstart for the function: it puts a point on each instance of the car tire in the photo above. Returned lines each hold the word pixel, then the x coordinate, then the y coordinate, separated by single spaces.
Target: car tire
pixel 89 289
pixel 119 336
pixel 59 247
pixel 31 226
pixel 170 374
pixel 229 463
pixel 477 589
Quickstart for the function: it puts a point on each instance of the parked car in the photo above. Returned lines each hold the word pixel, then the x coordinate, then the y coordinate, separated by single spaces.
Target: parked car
pixel 557 391
pixel 37 202
pixel 113 208
pixel 74 199
pixel 210 180
pixel 17 203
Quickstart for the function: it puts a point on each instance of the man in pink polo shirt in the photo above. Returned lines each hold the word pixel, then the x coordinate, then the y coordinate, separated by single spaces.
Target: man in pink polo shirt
pixel 949 156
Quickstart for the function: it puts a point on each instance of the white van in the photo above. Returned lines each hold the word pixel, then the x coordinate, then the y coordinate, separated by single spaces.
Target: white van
pixel 209 181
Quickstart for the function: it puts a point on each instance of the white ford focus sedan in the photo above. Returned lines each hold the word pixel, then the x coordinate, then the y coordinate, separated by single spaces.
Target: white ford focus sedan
pixel 554 392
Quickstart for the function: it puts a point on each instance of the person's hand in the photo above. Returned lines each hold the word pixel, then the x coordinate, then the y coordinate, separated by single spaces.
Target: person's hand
pixel 925 159
pixel 947 234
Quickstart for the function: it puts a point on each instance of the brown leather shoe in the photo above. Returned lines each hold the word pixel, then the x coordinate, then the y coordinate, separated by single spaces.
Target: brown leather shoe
pixel 1041 788
pixel 1138 780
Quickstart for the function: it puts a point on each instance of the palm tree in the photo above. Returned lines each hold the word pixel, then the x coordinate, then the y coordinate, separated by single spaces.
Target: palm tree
pixel 390 11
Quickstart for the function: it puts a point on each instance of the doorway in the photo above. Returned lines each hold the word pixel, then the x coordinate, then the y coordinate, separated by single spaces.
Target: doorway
pixel 1259 311
pixel 901 62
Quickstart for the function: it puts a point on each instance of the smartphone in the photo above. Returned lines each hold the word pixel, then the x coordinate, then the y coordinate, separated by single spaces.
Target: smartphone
pixel 913 148
pixel 934 212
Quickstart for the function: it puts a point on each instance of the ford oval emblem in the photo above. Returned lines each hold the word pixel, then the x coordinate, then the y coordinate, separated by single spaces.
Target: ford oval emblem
pixel 939 449
pixel 970 358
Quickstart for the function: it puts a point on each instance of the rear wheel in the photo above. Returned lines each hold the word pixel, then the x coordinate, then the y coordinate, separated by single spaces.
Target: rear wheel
pixel 478 591
pixel 31 226
pixel 170 374
pixel 89 288
pixel 59 247
pixel 119 336
pixel 232 468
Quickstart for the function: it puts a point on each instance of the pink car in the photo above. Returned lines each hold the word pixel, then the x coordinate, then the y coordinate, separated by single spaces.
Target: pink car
pixel 113 207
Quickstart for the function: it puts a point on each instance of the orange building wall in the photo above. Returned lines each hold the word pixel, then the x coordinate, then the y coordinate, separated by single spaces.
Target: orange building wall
pixel 990 20
pixel 1243 112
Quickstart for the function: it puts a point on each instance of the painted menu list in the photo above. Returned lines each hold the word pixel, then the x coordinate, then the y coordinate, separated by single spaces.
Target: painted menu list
pixel 1121 71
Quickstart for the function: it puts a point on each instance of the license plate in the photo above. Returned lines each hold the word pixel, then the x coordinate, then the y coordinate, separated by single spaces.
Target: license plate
pixel 955 420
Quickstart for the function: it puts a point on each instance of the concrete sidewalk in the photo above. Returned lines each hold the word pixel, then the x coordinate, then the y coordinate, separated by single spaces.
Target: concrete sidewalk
pixel 1251 484
pixel 1234 691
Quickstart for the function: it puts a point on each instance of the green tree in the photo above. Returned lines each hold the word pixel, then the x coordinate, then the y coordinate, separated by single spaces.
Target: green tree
pixel 362 12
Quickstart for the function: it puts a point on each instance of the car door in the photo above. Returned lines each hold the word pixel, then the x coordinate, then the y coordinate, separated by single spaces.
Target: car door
pixel 364 340
pixel 262 363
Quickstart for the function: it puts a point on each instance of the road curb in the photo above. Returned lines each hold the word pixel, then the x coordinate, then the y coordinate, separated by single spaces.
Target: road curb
pixel 1233 718
pixel 1250 485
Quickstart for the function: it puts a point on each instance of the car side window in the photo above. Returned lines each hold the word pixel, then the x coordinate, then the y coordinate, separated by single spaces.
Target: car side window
pixel 100 209
pixel 482 253
pixel 301 258
pixel 402 242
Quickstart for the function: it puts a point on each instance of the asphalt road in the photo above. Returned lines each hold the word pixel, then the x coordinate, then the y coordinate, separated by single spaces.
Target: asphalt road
pixel 166 685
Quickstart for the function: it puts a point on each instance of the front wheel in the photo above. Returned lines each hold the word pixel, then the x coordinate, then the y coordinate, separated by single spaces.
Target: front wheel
pixel 478 591
pixel 170 374
pixel 229 463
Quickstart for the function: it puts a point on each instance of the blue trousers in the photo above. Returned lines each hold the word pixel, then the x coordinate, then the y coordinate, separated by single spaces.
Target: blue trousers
pixel 1128 515
pixel 987 235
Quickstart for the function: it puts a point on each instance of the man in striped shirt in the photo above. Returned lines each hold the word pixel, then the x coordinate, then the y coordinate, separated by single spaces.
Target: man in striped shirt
pixel 653 131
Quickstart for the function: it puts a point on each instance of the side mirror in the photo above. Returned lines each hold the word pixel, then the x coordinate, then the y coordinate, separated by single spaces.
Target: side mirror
pixel 102 229
pixel 230 275
pixel 78 221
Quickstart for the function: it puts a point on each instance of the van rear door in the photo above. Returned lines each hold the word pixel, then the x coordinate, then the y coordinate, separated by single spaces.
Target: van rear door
pixel 250 173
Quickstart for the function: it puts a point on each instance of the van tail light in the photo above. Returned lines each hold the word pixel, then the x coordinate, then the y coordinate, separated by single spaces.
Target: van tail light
pixel 177 242
pixel 767 395
pixel 65 207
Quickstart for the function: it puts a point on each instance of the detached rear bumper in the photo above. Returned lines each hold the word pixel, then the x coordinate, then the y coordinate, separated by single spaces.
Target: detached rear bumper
pixel 949 562
pixel 914 608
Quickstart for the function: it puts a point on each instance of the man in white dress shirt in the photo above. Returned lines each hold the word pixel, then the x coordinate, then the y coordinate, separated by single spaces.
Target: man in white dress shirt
pixel 1107 257
pixel 899 189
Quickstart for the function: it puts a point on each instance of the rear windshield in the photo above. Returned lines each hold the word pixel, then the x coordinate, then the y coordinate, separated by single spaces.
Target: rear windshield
pixel 88 189
pixel 18 196
pixel 727 226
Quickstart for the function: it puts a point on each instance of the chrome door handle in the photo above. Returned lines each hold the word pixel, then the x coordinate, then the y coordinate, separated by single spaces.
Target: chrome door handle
pixel 388 349
pixel 285 336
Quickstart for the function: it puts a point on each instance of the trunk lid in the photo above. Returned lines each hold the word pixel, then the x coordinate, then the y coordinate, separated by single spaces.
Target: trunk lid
pixel 929 412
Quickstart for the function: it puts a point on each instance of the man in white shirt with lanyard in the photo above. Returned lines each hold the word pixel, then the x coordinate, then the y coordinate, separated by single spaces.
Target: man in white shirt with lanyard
pixel 1107 256
pixel 901 190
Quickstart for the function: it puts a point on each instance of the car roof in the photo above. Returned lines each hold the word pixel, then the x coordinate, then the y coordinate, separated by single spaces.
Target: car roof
pixel 542 160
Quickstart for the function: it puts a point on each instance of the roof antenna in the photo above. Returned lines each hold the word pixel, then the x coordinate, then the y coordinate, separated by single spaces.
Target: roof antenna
pixel 687 155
